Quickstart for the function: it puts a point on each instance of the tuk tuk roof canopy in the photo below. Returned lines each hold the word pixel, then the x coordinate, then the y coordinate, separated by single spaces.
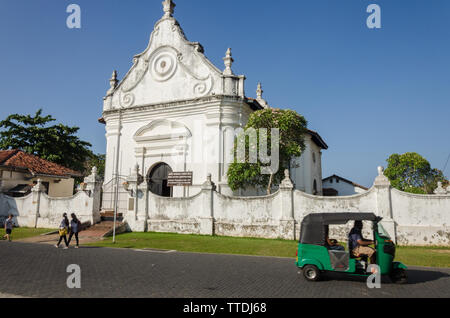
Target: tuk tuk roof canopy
pixel 314 225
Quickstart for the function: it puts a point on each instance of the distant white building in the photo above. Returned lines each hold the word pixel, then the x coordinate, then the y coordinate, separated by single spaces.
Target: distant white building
pixel 338 186
pixel 174 111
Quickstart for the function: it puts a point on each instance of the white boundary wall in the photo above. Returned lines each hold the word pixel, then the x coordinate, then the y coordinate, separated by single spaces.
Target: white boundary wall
pixel 38 210
pixel 409 219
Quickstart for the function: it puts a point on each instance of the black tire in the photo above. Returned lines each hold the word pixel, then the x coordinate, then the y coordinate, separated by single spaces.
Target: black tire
pixel 311 273
pixel 399 276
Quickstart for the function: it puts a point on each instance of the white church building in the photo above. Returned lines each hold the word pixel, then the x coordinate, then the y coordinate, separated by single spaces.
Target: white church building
pixel 174 111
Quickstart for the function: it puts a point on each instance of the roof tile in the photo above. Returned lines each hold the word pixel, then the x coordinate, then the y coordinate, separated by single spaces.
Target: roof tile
pixel 35 165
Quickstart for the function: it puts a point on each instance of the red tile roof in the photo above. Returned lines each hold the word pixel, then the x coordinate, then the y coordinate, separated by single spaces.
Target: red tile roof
pixel 17 159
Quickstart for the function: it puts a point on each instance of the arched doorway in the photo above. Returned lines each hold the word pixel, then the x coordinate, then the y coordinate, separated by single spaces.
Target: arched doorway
pixel 157 180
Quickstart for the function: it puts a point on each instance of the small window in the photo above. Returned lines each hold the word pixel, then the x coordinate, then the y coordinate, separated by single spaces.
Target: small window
pixel 331 180
pixel 337 180
pixel 314 157
pixel 315 188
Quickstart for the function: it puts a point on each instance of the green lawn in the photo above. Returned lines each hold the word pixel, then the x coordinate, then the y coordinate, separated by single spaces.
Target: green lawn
pixel 203 244
pixel 419 256
pixel 24 232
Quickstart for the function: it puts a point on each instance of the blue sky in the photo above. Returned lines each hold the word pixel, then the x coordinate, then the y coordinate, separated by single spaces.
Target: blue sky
pixel 369 93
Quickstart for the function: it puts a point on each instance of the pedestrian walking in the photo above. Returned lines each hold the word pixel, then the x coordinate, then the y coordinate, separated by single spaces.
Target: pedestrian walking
pixel 75 227
pixel 9 224
pixel 63 229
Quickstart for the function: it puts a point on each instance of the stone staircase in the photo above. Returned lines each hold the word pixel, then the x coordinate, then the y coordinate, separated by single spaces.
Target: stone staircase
pixel 102 229
pixel 109 216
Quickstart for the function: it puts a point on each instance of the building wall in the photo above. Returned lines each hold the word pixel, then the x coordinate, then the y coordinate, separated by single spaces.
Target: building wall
pixel 61 188
pixel 305 170
pixel 153 136
pixel 343 188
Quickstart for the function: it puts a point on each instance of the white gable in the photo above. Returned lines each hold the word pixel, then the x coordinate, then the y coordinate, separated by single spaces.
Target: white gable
pixel 171 69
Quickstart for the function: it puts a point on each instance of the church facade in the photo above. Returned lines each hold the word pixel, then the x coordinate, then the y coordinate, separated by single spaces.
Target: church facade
pixel 174 111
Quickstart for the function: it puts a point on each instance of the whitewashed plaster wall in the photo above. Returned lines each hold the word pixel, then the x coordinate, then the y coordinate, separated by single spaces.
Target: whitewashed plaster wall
pixel 38 210
pixel 63 187
pixel 343 188
pixel 409 219
pixel 305 169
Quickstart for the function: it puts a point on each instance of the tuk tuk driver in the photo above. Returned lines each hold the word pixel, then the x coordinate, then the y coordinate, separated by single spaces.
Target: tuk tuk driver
pixel 360 244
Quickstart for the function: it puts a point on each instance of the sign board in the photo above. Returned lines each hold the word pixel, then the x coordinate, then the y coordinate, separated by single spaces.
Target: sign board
pixel 179 179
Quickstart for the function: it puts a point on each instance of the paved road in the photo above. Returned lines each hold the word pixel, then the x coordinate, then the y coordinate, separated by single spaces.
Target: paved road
pixel 39 270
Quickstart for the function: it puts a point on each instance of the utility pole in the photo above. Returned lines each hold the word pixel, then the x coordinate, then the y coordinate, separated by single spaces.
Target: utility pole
pixel 116 192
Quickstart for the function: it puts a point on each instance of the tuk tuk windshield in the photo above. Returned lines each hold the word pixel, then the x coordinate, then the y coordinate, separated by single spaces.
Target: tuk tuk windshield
pixel 382 232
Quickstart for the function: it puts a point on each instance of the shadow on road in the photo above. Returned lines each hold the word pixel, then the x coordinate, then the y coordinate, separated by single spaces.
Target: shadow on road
pixel 417 276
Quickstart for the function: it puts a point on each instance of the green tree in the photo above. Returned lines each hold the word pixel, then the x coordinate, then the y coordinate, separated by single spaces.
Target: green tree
pixel 410 172
pixel 35 135
pixel 96 160
pixel 292 128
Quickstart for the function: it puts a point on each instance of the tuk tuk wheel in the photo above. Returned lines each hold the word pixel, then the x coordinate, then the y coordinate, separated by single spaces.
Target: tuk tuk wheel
pixel 311 273
pixel 398 276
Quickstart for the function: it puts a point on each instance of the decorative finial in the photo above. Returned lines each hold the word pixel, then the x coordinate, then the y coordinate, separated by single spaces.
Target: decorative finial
pixel 169 7
pixel 113 81
pixel 287 182
pixel 440 189
pixel 228 62
pixel 259 91
pixel 381 171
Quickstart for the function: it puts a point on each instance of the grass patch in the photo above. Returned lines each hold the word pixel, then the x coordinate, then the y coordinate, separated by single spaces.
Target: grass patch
pixel 203 244
pixel 24 232
pixel 424 256
pixel 418 256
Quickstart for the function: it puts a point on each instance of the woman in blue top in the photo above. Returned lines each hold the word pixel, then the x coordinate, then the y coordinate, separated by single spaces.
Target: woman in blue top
pixel 75 226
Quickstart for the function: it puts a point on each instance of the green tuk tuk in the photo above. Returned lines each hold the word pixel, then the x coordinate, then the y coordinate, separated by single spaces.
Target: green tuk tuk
pixel 315 257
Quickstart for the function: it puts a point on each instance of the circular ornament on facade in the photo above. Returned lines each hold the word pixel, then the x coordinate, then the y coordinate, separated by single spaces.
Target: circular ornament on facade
pixel 127 100
pixel 163 66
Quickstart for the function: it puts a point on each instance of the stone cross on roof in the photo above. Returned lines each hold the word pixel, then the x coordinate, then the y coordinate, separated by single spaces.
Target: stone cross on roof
pixel 169 7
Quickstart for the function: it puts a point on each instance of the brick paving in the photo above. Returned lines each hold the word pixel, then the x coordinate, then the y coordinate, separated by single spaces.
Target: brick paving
pixel 39 270
pixel 92 234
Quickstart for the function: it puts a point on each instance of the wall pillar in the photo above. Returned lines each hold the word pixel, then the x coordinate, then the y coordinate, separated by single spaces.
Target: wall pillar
pixel 32 218
pixel 136 215
pixel 384 205
pixel 207 219
pixel 287 221
pixel 94 187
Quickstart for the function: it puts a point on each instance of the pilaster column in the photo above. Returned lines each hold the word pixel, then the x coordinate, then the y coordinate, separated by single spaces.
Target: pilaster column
pixel 136 219
pixel 37 190
pixel 383 203
pixel 94 188
pixel 207 218
pixel 287 222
